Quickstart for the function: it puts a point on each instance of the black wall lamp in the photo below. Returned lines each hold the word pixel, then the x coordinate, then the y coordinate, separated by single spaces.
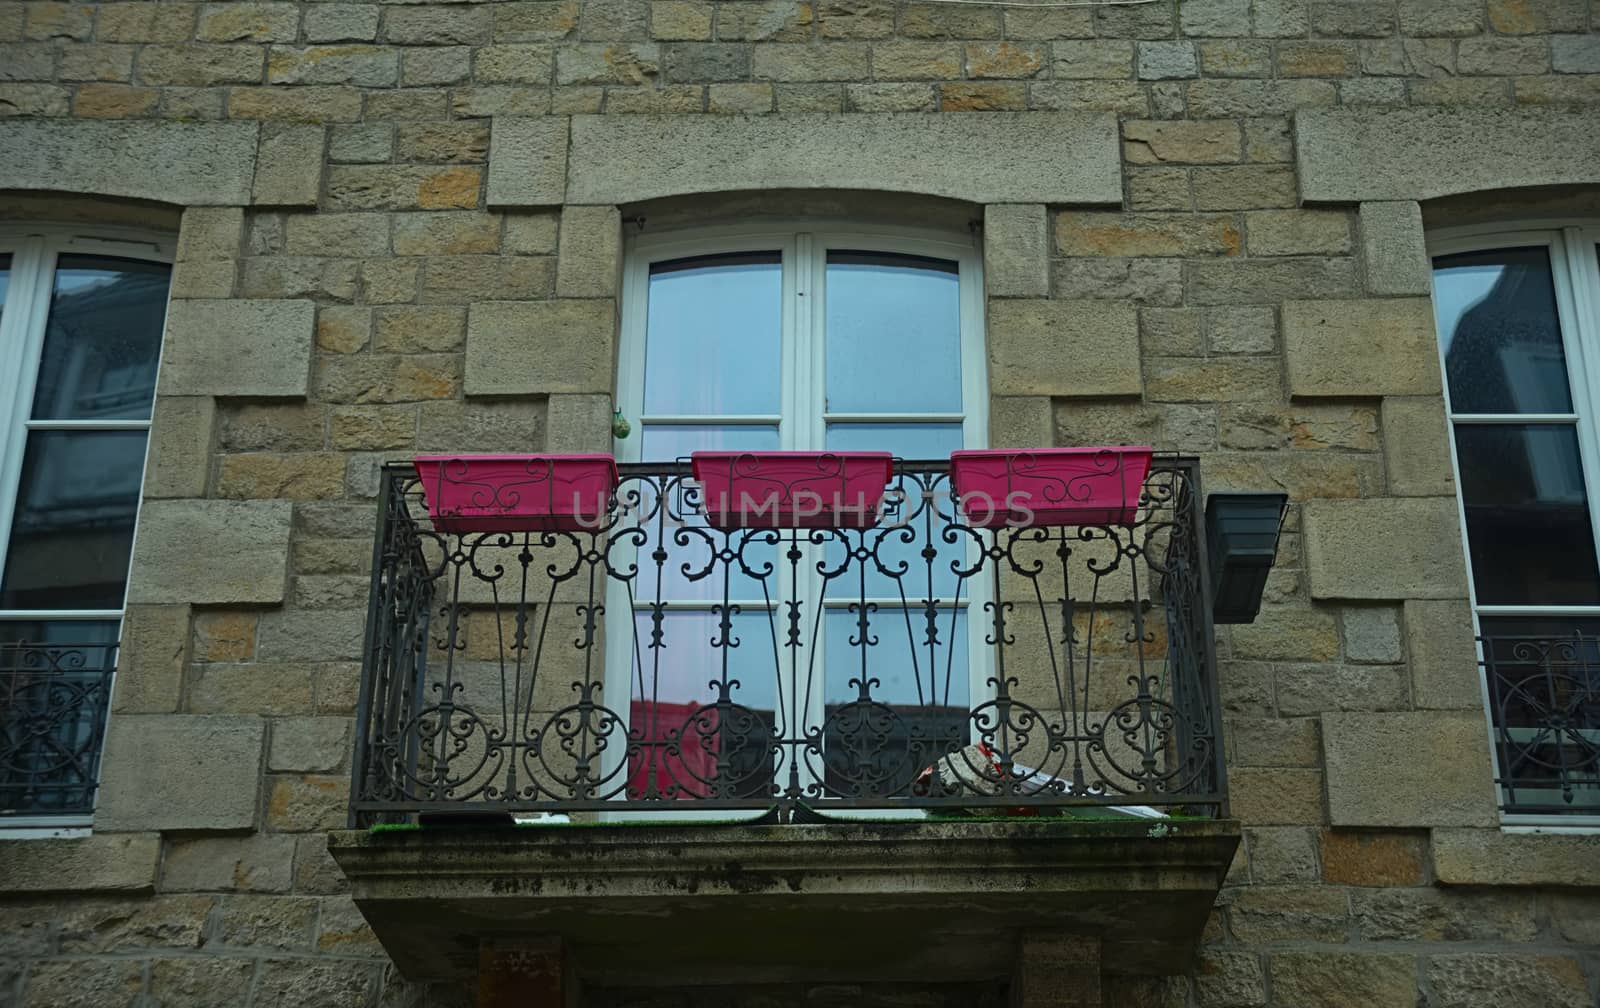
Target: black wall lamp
pixel 1242 537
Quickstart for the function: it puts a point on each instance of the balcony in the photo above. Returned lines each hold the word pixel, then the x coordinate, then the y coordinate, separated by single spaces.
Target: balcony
pixel 1544 701
pixel 53 703
pixel 940 731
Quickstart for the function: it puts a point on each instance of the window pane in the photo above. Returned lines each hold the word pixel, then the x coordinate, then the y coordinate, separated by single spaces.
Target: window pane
pixel 694 550
pixel 685 744
pixel 1496 313
pixel 73 523
pixel 713 335
pixel 5 281
pixel 924 685
pixel 103 340
pixel 899 551
pixel 1528 524
pixel 894 334
pixel 910 671
pixel 905 440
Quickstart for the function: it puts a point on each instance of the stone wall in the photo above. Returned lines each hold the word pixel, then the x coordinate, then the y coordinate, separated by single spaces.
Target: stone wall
pixel 380 198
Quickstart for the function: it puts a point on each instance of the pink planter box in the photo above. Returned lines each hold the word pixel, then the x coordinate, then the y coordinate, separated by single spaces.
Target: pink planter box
pixel 514 493
pixel 1050 486
pixel 792 489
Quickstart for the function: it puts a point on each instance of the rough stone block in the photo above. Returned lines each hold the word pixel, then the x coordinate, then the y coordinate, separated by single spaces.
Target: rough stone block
pixel 193 164
pixel 1109 59
pixel 590 260
pixel 1263 914
pixel 1140 281
pixel 540 347
pixel 1298 232
pixel 181 772
pixel 1349 155
pixel 297 804
pixel 1444 655
pixel 1441 913
pixel 1282 854
pixel 151 660
pixel 309 744
pixel 528 162
pixel 1394 250
pixel 578 423
pixel 1215 18
pixel 1016 250
pixel 1063 348
pixel 1118 234
pixel 1167 61
pixel 210 234
pixel 1166 142
pixel 1276 796
pixel 983 158
pixel 1235 282
pixel 211 552
pixel 249 348
pixel 1323 979
pixel 1288 633
pixel 1490 857
pixel 1373 859
pixel 1371 634
pixel 1384 549
pixel 446 233
pixel 102 862
pixel 318 634
pixel 1575 54
pixel 1488 980
pixel 1360 348
pixel 1056 971
pixel 339 22
pixel 181 435
pixel 289 165
pixel 1408 769
pixel 260 862
pixel 197 980
pixel 1021 422
pixel 489 426
pixel 1416 447
pixel 1225 978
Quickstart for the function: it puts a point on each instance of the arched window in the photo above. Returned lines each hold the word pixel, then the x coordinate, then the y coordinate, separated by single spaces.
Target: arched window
pixel 1518 314
pixel 81 318
pixel 803 338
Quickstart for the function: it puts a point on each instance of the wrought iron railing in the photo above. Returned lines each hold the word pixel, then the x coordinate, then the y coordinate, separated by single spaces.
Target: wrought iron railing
pixel 1544 701
pixel 658 664
pixel 53 703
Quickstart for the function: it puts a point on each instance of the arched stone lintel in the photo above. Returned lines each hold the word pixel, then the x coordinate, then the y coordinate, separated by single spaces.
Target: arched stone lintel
pixel 1017 157
pixel 1352 155
pixel 177 163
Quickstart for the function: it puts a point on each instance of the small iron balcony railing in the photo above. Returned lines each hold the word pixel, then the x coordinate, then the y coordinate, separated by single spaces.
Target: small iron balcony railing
pixel 53 703
pixel 654 663
pixel 1544 701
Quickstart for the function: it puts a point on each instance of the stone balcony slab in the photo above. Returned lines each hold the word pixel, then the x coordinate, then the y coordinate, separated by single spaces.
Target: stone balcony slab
pixel 645 904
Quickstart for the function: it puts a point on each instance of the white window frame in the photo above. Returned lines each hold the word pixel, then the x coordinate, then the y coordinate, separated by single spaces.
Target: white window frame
pixel 34 251
pixel 803 246
pixel 1575 272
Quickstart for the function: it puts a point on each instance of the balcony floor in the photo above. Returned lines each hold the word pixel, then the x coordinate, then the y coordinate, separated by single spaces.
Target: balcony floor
pixel 642 904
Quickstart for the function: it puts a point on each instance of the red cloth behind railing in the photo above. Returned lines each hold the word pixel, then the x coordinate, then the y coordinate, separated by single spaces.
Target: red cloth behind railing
pixel 653 727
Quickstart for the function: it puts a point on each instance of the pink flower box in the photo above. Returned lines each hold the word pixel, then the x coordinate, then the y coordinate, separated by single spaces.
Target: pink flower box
pixel 1050 486
pixel 792 489
pixel 515 493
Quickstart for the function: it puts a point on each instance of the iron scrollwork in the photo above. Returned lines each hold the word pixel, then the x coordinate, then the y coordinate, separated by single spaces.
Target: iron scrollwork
pixel 657 663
